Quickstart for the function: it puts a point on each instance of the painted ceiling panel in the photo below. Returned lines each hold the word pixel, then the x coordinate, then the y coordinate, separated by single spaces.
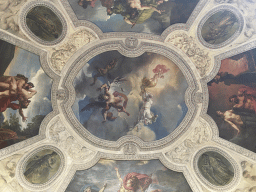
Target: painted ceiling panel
pixel 127 95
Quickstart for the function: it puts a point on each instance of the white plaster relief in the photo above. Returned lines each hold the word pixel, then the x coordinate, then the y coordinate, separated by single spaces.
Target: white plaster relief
pixel 200 135
pixel 67 142
pixel 248 182
pixel 62 54
pixel 187 44
pixel 9 14
pixel 60 136
pixel 8 182
pixel 248 9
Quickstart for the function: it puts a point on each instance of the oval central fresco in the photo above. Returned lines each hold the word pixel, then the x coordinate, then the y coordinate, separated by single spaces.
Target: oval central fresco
pixel 118 96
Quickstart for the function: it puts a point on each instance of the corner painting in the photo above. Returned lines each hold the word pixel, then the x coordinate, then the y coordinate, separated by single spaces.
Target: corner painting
pixel 232 102
pixel 44 23
pixel 122 176
pixel 148 16
pixel 215 168
pixel 142 96
pixel 220 27
pixel 42 166
pixel 24 94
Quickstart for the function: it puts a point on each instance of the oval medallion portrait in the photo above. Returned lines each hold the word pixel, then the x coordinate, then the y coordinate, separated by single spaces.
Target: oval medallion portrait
pixel 215 168
pixel 42 166
pixel 221 26
pixel 44 23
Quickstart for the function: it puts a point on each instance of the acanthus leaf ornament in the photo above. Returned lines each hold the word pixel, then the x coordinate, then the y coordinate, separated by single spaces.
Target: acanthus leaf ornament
pixel 62 54
pixel 187 44
pixel 182 153
pixel 59 135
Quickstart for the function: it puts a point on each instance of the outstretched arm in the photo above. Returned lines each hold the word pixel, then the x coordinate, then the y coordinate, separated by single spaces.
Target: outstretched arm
pixel 128 21
pixel 118 174
pixel 32 92
pixel 103 188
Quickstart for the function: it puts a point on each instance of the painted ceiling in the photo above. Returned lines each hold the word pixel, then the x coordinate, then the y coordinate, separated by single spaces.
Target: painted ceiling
pixel 127 95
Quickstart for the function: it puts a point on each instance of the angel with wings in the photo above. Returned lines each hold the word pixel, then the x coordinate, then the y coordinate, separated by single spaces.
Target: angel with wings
pixel 110 98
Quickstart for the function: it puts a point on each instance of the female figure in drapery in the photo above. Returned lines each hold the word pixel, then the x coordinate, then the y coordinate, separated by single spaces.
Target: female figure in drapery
pixel 159 71
pixel 134 182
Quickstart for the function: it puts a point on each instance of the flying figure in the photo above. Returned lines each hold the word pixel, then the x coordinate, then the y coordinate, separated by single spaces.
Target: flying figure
pixel 109 99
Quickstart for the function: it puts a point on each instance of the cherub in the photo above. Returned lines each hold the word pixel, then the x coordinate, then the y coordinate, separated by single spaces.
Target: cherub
pixel 104 71
pixel 109 99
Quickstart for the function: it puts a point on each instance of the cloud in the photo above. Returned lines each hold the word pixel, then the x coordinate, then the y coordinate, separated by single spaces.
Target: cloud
pixel 152 26
pixel 101 14
pixel 40 103
pixel 110 130
pixel 99 174
pixel 168 96
pixel 143 132
pixel 82 84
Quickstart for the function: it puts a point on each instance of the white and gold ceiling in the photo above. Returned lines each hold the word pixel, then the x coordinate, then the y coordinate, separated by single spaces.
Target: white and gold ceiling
pixel 187 147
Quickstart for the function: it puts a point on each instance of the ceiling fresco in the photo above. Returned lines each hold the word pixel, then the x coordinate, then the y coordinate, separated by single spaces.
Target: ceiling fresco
pixel 127 95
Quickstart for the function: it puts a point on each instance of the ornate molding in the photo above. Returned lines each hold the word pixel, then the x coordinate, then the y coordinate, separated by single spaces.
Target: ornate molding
pixel 62 54
pixel 30 34
pixel 131 42
pixel 248 11
pixel 9 17
pixel 182 154
pixel 62 138
pixel 145 47
pixel 61 94
pixel 221 1
pixel 16 186
pixel 8 173
pixel 237 172
pixel 188 45
pixel 248 181
pixel 23 163
pixel 211 13
pixel 130 149
pixel 198 97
